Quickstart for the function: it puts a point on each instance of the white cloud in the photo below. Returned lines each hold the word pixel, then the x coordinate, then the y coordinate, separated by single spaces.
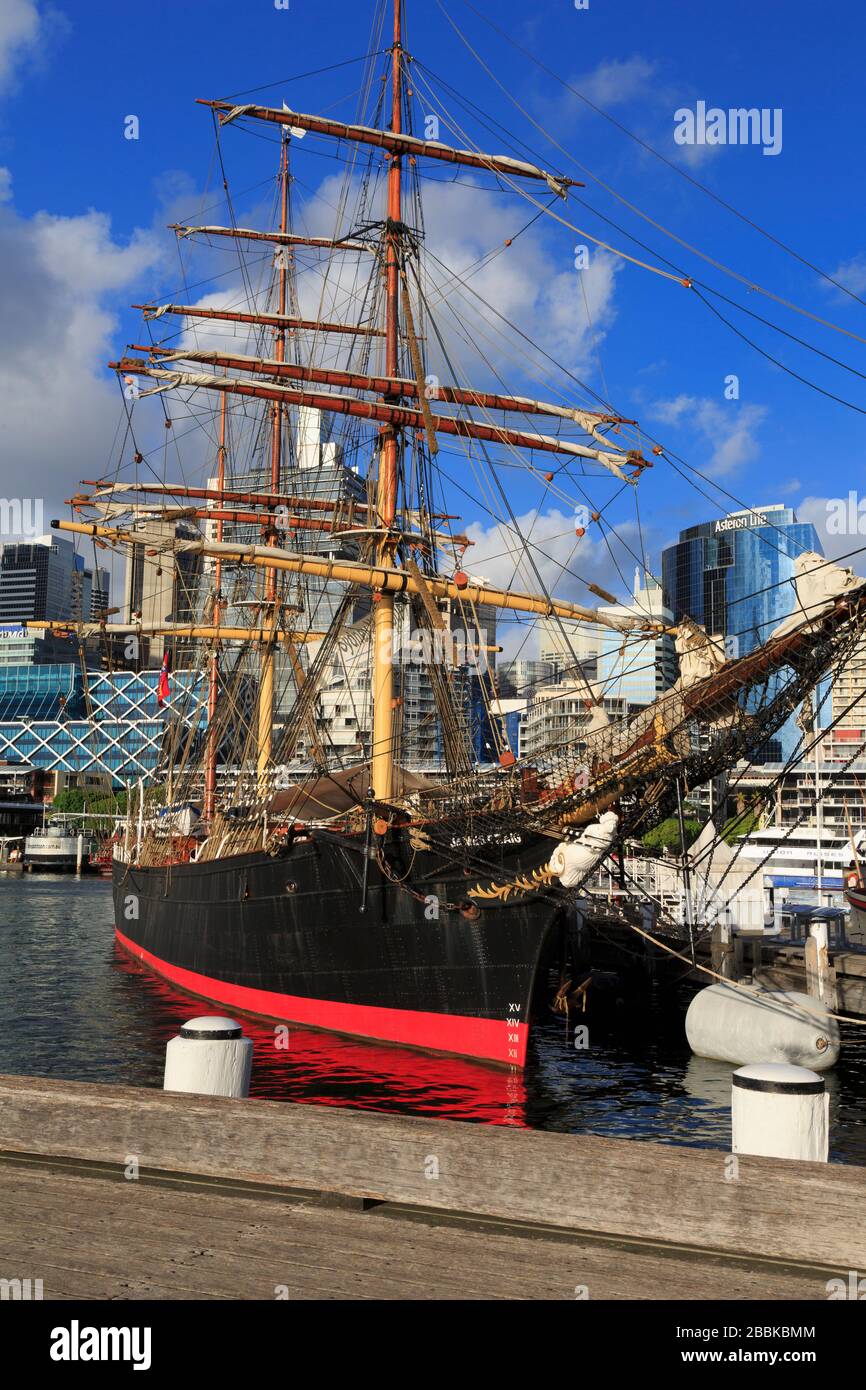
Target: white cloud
pixel 841 526
pixel 5 184
pixel 728 427
pixel 852 274
pixel 20 32
pixel 565 563
pixel 58 409
pixel 693 156
pixel 530 283
pixel 616 82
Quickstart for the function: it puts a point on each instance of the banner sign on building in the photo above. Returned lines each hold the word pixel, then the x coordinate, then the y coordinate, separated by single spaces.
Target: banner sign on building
pixel 741 522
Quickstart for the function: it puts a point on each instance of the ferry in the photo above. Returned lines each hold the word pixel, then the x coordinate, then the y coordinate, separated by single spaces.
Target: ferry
pixel 55 847
pixel 803 857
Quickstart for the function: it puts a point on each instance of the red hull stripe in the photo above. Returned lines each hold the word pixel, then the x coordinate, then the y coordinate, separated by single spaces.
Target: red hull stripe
pixel 492 1039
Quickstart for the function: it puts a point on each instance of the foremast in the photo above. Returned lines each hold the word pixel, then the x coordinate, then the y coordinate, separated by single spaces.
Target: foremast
pixel 384 712
pixel 272 608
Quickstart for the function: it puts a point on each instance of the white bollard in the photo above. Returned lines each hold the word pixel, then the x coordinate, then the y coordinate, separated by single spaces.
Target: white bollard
pixel 780 1111
pixel 79 854
pixel 209 1057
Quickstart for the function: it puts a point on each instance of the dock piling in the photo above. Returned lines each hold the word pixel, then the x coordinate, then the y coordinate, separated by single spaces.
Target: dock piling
pixel 209 1057
pixel 820 976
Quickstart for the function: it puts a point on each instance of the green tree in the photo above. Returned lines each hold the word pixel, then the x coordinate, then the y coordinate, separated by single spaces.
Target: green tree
pixel 72 799
pixel 742 824
pixel 667 835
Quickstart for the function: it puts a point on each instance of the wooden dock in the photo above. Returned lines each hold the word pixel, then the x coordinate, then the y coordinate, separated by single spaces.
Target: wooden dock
pixel 262 1200
pixel 776 964
pixel 785 968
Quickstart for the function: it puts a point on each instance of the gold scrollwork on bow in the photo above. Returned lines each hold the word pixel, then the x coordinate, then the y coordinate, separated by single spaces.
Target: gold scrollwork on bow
pixel 527 883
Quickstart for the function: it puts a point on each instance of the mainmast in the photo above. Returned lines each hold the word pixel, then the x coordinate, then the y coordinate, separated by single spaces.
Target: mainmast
pixel 266 682
pixel 382 758
pixel 216 613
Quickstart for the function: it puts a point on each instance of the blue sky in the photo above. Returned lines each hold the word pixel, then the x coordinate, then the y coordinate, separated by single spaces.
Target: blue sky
pixel 83 210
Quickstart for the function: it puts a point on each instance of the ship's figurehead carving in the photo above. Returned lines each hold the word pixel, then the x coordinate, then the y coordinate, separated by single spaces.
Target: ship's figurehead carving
pixel 572 860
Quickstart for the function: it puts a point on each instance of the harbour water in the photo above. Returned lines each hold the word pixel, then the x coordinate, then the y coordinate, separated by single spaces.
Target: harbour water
pixel 74 1007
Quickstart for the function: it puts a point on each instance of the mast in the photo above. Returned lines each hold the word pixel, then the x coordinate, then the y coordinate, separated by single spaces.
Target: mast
pixel 291 321
pixel 216 612
pixel 409 417
pixel 382 755
pixel 390 579
pixel 266 679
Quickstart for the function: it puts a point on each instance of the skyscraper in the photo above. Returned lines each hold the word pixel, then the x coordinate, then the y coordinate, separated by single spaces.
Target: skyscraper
pixel 735 576
pixel 36 579
pixel 634 668
pixel 161 586
pixel 626 667
pixel 313 469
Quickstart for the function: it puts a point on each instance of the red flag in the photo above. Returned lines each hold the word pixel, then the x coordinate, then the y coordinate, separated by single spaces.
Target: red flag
pixel 162 690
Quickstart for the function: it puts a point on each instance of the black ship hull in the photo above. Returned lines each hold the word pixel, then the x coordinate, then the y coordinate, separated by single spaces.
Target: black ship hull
pixel 415 956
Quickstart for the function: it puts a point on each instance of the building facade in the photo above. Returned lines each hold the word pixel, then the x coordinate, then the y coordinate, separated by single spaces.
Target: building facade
pixel 516 680
pixel 630 667
pixel 735 576
pixel 36 579
pixel 58 718
pixel 162 586
pixel 90 591
pixel 560 714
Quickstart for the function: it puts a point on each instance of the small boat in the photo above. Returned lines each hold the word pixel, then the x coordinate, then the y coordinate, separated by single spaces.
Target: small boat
pixel 59 847
pixel 11 854
pixel 855 896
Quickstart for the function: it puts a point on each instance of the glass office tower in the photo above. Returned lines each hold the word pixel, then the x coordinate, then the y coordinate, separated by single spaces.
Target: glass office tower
pixel 735 576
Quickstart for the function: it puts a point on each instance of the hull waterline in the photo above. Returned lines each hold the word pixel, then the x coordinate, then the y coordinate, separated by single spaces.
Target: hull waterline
pixel 286 939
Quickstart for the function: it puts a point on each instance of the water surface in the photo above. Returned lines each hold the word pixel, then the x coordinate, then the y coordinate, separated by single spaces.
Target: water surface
pixel 73 1006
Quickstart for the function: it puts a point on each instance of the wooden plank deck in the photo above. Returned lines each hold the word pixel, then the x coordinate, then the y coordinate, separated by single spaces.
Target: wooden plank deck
pixel 235 1198
pixel 93 1236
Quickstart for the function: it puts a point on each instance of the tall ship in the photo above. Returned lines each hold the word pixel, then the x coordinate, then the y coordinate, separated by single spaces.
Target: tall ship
pixel 303 868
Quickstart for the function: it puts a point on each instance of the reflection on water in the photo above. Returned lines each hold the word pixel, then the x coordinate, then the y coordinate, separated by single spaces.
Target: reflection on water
pixel 73 1006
